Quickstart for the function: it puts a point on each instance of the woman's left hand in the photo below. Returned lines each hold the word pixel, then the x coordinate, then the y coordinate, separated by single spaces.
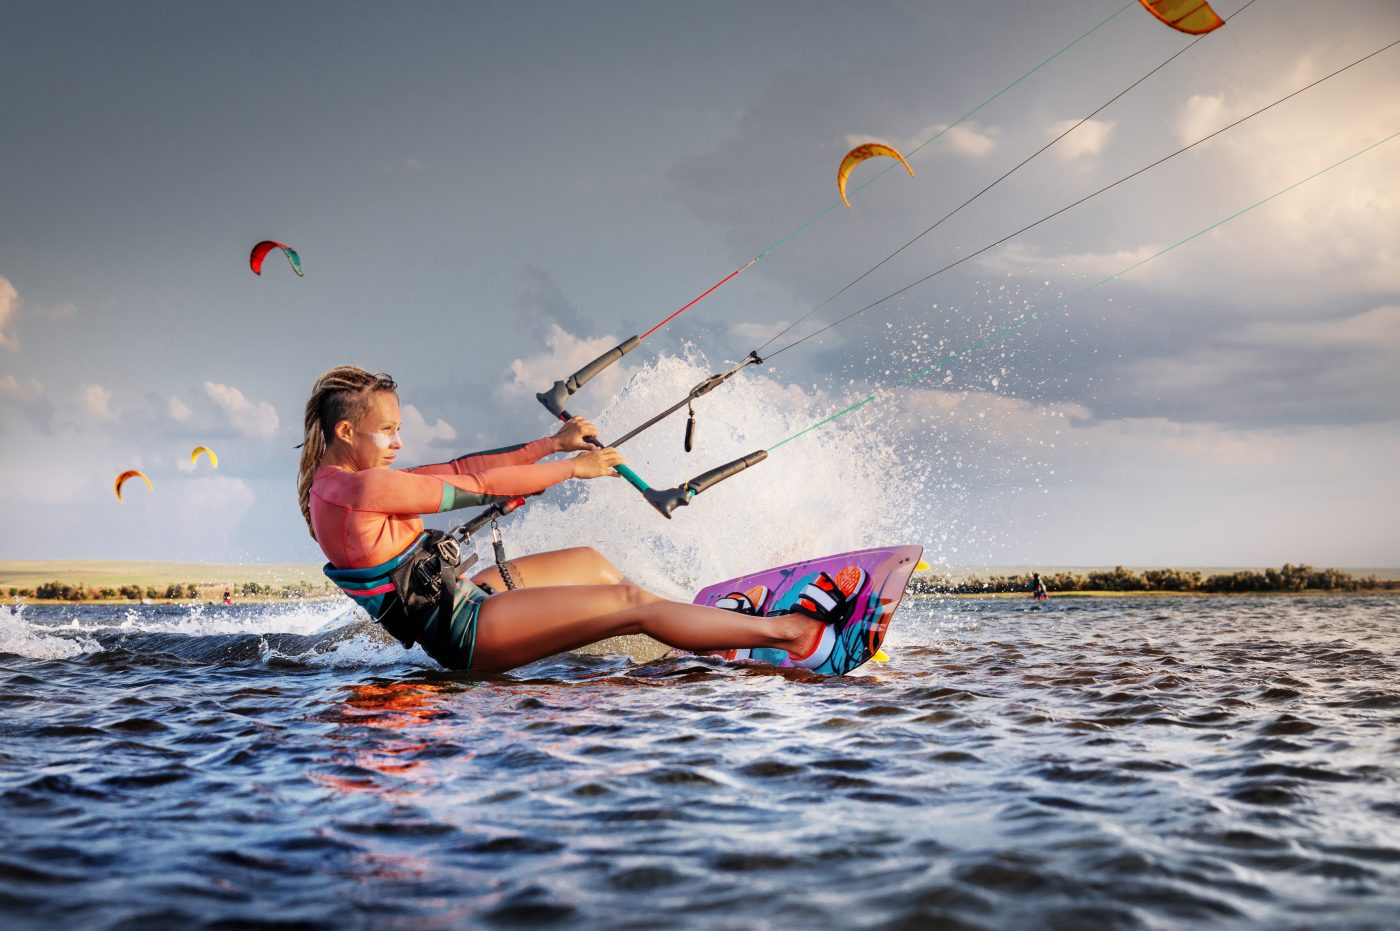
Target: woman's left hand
pixel 571 437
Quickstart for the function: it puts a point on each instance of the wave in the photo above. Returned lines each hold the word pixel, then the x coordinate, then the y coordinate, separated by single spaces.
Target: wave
pixel 324 633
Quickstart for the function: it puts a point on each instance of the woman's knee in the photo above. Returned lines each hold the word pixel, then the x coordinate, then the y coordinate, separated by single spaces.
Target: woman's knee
pixel 634 596
pixel 595 562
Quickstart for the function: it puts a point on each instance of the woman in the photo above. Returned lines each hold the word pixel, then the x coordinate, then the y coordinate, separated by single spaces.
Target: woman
pixel 367 519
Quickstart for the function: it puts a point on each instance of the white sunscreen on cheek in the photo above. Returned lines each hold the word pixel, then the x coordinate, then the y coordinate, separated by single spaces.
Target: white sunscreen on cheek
pixel 385 440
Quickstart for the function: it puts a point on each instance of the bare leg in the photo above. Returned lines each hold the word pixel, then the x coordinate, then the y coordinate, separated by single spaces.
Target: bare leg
pixel 524 625
pixel 580 565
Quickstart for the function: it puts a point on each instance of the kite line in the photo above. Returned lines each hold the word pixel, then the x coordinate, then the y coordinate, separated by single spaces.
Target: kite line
pixel 1017 167
pixel 1071 206
pixel 929 141
pixel 1036 315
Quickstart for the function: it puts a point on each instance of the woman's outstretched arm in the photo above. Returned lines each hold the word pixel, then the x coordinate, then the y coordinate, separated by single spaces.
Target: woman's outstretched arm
pixel 394 491
pixel 520 454
pixel 571 437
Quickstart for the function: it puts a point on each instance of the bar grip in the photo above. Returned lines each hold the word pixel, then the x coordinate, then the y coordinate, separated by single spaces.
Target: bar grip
pixel 671 498
pixel 632 477
pixel 555 398
pixel 585 374
pixel 707 479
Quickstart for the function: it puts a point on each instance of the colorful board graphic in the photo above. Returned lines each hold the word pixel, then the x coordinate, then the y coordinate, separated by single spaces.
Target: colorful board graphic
pixel 887 569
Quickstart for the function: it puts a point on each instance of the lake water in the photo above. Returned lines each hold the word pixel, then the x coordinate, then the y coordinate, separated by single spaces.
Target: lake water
pixel 1088 763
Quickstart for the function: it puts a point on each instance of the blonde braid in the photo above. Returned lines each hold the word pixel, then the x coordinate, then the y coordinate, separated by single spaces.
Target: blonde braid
pixel 341 394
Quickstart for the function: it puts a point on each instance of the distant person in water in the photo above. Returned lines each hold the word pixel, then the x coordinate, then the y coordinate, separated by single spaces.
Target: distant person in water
pixel 366 517
pixel 1038 591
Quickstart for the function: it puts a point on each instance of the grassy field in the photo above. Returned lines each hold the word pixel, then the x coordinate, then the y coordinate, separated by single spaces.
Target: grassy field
pixel 30 573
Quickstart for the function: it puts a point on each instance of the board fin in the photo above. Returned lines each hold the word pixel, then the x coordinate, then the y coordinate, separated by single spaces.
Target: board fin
pixel 880 657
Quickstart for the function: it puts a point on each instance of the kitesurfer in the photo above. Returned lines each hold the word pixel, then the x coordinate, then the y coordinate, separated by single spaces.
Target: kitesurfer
pixel 366 517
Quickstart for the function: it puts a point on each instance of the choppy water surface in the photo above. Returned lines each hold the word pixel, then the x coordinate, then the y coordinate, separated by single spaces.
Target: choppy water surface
pixel 1226 762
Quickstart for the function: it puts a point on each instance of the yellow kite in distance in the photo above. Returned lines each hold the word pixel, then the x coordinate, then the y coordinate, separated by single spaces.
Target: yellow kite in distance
pixel 859 154
pixel 1190 16
pixel 194 455
pixel 130 473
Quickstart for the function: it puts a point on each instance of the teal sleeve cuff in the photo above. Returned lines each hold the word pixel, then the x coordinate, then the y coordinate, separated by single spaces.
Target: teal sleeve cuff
pixel 454 498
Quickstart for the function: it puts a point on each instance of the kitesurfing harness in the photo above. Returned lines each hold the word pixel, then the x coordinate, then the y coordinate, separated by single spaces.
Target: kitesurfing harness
pixel 408 593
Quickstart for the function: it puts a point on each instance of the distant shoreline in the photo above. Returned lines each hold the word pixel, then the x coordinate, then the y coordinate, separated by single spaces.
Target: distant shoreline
pixel 51 582
pixel 187 602
pixel 1053 596
pixel 1305 593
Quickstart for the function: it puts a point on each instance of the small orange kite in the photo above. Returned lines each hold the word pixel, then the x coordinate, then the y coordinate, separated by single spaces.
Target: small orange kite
pixel 130 473
pixel 1190 16
pixel 859 154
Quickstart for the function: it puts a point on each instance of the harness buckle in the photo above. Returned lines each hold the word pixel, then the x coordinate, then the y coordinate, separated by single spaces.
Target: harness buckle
pixel 449 551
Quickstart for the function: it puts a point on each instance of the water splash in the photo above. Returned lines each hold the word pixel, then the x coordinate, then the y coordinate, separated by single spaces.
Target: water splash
pixel 842 489
pixel 21 638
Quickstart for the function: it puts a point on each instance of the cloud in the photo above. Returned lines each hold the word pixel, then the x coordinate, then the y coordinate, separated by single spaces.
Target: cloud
pixel 967 138
pixel 1337 229
pixel 9 309
pixel 94 401
pixel 1088 140
pixel 566 354
pixel 416 431
pixel 1378 328
pixel 412 164
pixel 14 389
pixel 1199 115
pixel 1016 258
pixel 257 420
pixel 177 409
pixel 1295 372
pixel 30 399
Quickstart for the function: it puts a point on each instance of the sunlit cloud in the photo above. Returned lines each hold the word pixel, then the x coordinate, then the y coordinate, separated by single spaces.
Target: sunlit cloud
pixel 257 420
pixel 9 309
pixel 564 355
pixel 16 390
pixel 417 432
pixel 1085 142
pixel 93 401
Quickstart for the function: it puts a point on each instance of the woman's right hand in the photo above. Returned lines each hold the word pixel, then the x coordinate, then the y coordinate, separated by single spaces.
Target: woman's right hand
pixel 596 463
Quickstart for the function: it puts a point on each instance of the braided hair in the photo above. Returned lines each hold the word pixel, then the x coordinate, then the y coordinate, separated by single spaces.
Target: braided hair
pixel 343 393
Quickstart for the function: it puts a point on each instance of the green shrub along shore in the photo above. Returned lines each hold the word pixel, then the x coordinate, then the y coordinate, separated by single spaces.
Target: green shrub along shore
pixel 174 591
pixel 1291 578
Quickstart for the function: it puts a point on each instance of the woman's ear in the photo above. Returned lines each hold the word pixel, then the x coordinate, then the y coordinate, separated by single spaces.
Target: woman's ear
pixel 344 431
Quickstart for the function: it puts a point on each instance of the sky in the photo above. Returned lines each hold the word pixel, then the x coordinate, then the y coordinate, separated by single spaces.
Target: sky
pixel 486 195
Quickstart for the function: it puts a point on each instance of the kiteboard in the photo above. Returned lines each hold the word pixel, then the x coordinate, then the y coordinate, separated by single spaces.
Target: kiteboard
pixel 887 571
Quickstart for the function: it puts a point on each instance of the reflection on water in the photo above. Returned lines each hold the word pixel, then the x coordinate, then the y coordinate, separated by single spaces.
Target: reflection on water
pixel 1229 762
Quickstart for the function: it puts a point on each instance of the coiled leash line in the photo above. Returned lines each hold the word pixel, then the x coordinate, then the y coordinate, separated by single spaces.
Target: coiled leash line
pixel 499 546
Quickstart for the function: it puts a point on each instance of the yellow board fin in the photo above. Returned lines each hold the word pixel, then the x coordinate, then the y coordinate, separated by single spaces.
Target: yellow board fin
pixel 880 657
pixel 923 567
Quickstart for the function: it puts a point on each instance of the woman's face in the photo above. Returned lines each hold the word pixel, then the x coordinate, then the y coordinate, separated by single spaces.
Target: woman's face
pixel 374 441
